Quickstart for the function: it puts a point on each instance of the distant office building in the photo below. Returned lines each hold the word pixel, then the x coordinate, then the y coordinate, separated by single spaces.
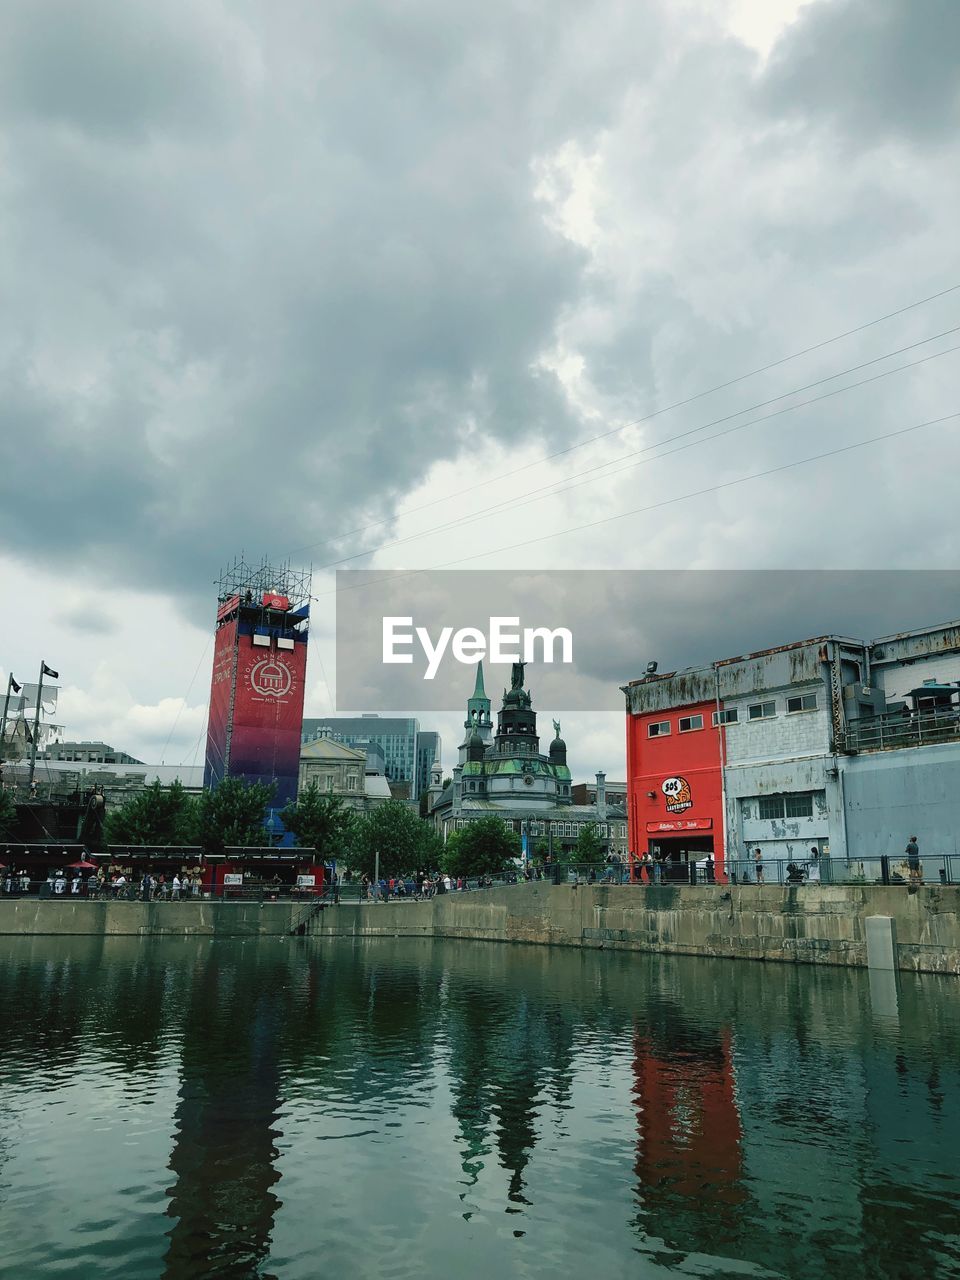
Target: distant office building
pixel 586 793
pixel 398 738
pixel 428 751
pixel 87 753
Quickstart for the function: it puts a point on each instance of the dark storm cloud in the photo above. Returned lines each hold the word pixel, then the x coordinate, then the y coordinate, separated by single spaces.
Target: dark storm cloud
pixel 876 69
pixel 268 263
pixel 269 267
pixel 618 621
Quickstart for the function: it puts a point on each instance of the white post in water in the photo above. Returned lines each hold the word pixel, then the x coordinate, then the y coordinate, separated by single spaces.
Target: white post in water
pixel 881 942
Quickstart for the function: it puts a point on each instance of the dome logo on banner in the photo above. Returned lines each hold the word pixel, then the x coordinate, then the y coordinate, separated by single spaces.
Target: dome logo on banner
pixel 270 679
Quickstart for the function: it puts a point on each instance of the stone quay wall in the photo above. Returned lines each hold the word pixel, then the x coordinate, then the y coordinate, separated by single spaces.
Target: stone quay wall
pixel 806 924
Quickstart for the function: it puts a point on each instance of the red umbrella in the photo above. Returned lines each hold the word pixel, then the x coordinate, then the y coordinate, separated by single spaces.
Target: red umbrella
pixel 82 865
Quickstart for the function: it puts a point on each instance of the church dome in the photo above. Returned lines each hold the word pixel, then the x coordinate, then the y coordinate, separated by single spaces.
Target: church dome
pixel 475 747
pixel 558 751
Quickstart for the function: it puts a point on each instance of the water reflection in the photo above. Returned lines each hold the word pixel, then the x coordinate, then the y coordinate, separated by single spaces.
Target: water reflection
pixel 290 1107
pixel 223 1156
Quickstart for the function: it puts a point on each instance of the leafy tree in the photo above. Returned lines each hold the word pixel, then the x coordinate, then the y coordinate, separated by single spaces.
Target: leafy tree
pixel 319 821
pixel 159 815
pixel 233 814
pixel 8 813
pixel 589 846
pixel 484 847
pixel 404 841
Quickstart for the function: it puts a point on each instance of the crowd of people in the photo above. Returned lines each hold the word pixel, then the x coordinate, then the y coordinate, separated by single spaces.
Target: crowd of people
pixel 104 883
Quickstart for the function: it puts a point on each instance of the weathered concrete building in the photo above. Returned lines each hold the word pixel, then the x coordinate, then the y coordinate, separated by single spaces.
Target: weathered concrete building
pixel 829 746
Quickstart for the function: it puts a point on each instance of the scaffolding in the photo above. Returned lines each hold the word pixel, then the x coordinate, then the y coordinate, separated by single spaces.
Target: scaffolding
pixel 256 580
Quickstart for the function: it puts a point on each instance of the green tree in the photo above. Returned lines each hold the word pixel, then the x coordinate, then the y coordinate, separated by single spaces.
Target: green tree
pixel 232 815
pixel 484 847
pixel 403 840
pixel 589 846
pixel 8 813
pixel 159 815
pixel 319 821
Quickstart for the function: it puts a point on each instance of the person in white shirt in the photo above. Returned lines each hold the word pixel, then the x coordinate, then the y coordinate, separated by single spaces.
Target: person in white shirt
pixel 176 887
pixel 60 883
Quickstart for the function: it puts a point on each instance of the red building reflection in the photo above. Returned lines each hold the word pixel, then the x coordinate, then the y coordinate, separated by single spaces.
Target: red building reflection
pixel 689 1143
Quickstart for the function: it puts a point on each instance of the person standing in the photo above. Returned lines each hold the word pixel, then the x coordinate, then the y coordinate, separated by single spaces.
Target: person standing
pixel 758 865
pixel 813 866
pixel 176 887
pixel 913 859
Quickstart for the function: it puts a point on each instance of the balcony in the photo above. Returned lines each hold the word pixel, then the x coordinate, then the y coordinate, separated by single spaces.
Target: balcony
pixel 895 730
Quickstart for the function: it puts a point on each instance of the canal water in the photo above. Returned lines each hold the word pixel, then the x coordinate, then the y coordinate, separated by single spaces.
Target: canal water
pixel 403 1108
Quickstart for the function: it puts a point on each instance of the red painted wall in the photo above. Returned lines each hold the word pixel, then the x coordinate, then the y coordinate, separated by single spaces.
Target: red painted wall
pixel 689 763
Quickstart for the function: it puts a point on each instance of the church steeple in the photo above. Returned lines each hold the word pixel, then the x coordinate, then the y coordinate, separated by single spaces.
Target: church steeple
pixel 478 723
pixel 478 706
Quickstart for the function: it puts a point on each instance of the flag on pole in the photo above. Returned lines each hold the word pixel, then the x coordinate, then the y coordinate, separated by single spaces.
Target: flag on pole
pixel 49 671
pixel 15 688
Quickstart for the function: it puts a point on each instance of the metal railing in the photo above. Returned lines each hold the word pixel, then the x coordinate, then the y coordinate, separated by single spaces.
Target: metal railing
pixel 895 729
pixel 883 869
pixel 941 868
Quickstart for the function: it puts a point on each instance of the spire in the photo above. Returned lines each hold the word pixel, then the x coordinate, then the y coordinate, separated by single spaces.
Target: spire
pixel 478 689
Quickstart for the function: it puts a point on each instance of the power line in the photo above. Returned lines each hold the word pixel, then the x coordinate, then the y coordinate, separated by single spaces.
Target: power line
pixel 557 487
pixel 677 404
pixel 666 502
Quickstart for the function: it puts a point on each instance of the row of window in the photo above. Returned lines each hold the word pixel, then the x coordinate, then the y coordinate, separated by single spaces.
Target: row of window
pixel 561 829
pixel 731 715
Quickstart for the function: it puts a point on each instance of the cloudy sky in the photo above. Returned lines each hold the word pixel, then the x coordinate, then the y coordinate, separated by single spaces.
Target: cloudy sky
pixel 304 280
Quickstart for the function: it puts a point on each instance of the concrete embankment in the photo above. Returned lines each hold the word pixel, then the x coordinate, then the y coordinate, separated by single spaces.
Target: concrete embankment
pixel 207 917
pixel 809 924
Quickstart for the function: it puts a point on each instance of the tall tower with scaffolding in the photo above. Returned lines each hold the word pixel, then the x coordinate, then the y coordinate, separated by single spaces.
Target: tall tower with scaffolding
pixel 259 671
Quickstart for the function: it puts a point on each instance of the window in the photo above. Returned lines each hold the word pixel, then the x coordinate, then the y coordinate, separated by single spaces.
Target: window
pixel 796 804
pixel 658 729
pixel 688 723
pixel 352 782
pixel 730 715
pixel 799 805
pixel 802 702
pixel 762 710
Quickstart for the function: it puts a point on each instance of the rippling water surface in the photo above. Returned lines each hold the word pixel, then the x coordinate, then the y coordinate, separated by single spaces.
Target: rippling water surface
pixel 402 1108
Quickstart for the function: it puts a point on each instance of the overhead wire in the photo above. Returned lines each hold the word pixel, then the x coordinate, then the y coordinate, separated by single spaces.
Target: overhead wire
pixel 677 404
pixel 655 506
pixel 560 486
